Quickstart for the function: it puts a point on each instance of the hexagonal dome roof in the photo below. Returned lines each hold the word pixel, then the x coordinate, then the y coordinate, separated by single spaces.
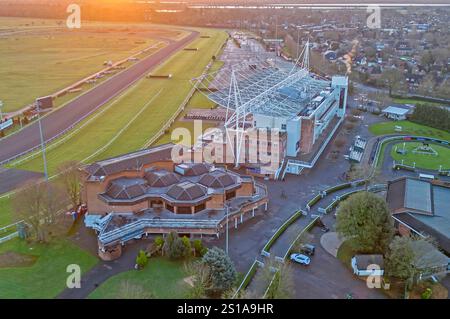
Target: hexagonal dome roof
pixel 186 191
pixel 161 178
pixel 126 188
pixel 217 179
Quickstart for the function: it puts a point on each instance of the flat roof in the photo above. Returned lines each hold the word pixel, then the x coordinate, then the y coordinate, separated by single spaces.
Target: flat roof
pixel 423 201
pixel 396 110
pixel 440 221
pixel 414 188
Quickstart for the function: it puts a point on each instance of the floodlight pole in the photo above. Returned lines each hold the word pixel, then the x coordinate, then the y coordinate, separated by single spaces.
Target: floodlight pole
pixel 44 158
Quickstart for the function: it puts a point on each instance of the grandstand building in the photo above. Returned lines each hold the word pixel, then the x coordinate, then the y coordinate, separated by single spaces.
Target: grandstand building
pixel 134 195
pixel 301 109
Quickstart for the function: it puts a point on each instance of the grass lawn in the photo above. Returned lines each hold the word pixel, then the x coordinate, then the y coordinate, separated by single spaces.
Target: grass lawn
pixel 49 58
pixel 148 104
pixel 198 101
pixel 422 160
pixel 162 278
pixel 408 128
pixel 46 278
pixel 5 212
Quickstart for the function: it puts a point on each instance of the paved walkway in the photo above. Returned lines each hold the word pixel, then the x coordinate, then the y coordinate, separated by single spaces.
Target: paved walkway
pixel 282 244
pixel 331 243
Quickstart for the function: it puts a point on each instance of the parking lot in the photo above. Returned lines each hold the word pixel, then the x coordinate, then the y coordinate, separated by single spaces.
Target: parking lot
pixel 326 277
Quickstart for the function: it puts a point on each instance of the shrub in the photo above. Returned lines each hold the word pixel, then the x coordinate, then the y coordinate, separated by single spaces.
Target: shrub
pixel 159 242
pixel 353 119
pixel 187 246
pixel 141 259
pixel 203 251
pixel 200 250
pixel 221 270
pixel 426 294
pixel 349 126
pixel 174 247
pixel 339 142
pixel 356 112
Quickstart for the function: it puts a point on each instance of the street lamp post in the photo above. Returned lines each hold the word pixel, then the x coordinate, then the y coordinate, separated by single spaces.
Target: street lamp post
pixel 44 158
pixel 226 236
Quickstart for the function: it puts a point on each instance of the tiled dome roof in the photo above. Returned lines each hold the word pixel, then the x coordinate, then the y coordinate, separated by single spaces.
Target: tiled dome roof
pixel 124 188
pixel 186 191
pixel 217 179
pixel 161 178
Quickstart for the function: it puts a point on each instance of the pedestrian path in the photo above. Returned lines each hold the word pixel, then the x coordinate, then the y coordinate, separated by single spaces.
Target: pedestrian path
pixel 331 243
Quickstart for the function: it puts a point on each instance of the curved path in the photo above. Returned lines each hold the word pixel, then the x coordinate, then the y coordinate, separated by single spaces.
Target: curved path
pixel 63 119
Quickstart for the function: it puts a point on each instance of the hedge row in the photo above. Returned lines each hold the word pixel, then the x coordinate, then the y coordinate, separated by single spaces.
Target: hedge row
pixel 314 201
pixel 307 228
pixel 248 278
pixel 330 207
pixel 280 230
pixel 404 167
pixel 346 195
pixel 338 187
pixel 276 276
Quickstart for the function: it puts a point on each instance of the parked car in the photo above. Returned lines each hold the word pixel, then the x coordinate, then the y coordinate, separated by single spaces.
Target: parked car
pixel 301 259
pixel 325 229
pixel 308 249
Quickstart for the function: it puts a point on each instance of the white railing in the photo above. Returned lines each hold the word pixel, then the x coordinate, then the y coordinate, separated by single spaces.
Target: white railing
pixel 181 108
pixel 9 237
pixel 248 277
pixel 140 225
pixel 171 120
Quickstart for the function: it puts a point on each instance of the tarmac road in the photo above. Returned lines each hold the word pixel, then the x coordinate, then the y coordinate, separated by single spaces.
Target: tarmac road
pixel 63 118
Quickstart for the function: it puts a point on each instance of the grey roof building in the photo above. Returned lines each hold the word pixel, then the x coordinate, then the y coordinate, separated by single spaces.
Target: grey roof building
pixel 421 207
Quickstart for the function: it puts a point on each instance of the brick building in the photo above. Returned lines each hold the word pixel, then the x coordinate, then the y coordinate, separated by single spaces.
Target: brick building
pixel 134 195
pixel 421 207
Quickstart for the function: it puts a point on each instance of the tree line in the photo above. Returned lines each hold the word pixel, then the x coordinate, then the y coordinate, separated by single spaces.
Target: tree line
pixel 433 116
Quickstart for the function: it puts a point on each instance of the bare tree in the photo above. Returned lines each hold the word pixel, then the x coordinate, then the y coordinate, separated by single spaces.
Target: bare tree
pixel 427 86
pixel 199 275
pixel 392 79
pixel 356 112
pixel 349 126
pixel 38 204
pixel 70 178
pixel 282 284
pixel 363 171
pixel 339 142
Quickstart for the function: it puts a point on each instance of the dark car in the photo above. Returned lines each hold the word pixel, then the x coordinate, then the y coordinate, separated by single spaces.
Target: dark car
pixel 308 249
